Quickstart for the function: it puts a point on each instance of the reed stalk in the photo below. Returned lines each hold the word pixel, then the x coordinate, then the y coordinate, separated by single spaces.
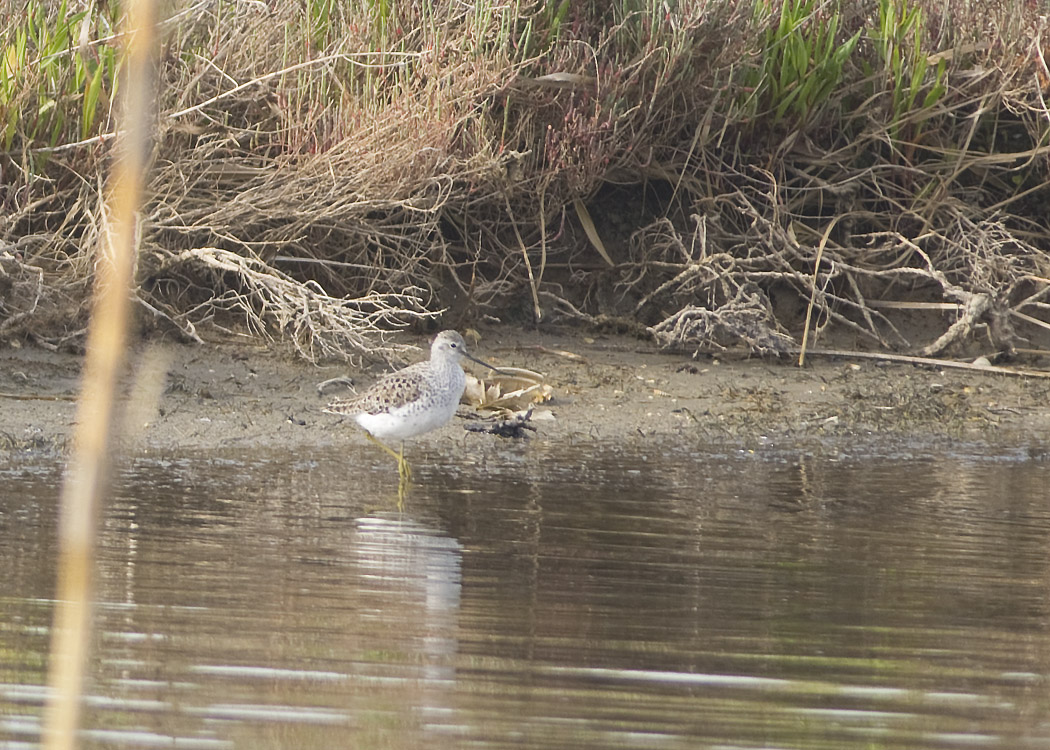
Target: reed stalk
pixel 86 478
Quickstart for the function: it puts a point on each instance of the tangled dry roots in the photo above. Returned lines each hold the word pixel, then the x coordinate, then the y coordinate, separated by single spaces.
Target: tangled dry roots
pixel 857 271
pixel 747 319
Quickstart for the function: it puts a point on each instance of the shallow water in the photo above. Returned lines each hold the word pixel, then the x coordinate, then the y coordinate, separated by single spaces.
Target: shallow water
pixel 588 597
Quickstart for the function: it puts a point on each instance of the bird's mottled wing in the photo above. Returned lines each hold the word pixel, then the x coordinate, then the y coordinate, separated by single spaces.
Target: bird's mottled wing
pixel 389 392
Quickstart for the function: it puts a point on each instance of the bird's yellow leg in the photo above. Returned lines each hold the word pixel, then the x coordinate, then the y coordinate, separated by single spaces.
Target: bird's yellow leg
pixel 402 490
pixel 403 469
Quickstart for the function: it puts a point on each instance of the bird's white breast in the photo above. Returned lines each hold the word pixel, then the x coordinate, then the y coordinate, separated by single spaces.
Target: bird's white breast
pixel 417 417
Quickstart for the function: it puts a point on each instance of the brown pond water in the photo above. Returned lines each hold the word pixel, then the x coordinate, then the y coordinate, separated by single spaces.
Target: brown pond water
pixel 580 598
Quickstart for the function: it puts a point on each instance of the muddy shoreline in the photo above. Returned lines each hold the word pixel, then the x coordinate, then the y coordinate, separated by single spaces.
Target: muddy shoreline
pixel 607 389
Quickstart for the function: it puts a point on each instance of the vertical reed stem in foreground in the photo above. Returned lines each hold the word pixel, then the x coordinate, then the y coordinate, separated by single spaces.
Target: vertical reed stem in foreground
pixel 87 473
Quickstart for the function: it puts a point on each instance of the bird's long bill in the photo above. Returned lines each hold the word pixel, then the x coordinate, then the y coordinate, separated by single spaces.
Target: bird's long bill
pixel 482 362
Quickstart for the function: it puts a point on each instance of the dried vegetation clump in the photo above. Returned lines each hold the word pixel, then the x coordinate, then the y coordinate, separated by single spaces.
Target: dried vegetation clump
pixel 756 173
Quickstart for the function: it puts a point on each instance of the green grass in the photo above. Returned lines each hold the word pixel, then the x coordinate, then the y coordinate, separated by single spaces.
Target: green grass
pixel 803 58
pixel 54 89
pixel 905 69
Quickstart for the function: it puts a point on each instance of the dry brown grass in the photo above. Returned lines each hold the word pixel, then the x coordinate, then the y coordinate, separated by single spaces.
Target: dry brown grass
pixel 321 182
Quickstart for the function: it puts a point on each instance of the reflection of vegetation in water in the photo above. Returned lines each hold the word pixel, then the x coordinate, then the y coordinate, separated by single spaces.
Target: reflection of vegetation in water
pixel 322 175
